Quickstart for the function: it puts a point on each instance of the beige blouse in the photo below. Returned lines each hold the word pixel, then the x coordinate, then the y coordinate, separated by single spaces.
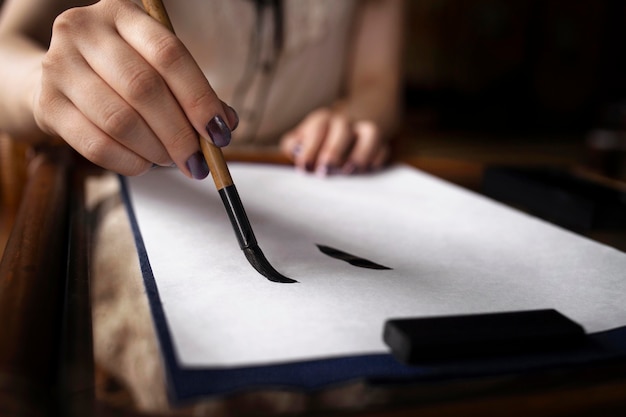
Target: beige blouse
pixel 271 88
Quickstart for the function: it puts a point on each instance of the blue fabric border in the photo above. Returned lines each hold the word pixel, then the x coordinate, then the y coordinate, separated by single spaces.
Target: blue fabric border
pixel 185 384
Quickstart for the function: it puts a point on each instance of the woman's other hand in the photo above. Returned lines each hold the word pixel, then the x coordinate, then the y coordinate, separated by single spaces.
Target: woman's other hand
pixel 327 142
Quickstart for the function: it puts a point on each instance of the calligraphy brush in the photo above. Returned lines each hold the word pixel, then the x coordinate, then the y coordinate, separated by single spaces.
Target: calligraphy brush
pixel 224 183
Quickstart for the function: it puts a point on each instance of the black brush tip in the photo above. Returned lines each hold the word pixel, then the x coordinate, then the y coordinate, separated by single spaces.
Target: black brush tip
pixel 258 260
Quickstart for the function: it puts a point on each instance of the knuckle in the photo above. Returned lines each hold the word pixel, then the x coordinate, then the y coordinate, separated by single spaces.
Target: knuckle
pixel 113 4
pixel 143 85
pixel 70 21
pixel 369 129
pixel 168 51
pixel 111 8
pixel 95 151
pixel 66 27
pixel 185 139
pixel 119 121
pixel 201 99
pixel 51 61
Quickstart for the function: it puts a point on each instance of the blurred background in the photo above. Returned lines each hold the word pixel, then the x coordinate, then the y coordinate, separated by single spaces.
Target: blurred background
pixel 511 80
pixel 521 100
pixel 499 83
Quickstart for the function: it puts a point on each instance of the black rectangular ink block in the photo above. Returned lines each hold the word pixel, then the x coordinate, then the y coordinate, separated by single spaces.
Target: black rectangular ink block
pixel 415 340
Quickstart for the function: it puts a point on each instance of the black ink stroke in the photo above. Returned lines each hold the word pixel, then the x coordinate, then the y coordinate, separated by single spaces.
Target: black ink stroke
pixel 351 259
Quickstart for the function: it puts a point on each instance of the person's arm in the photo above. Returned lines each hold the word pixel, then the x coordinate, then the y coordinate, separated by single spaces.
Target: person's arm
pixel 111 81
pixel 354 135
pixel 24 37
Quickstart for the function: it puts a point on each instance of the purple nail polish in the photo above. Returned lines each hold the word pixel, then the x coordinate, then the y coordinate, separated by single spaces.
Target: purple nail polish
pixel 236 118
pixel 197 166
pixel 334 171
pixel 218 131
pixel 322 171
pixel 349 168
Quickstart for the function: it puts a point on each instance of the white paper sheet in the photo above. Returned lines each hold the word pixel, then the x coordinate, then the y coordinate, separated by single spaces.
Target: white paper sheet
pixel 451 251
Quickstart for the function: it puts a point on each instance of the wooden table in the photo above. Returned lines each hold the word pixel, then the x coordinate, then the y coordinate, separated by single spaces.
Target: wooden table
pixel 46 352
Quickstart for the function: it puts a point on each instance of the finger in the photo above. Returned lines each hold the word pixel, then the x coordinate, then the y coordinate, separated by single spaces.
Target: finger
pixel 291 144
pixel 366 147
pixel 381 158
pixel 182 75
pixel 113 115
pixel 312 132
pixel 88 140
pixel 231 114
pixel 78 30
pixel 141 86
pixel 338 141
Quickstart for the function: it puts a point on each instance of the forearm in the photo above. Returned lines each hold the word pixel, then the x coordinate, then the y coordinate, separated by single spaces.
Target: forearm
pixel 374 77
pixel 25 27
pixel 18 80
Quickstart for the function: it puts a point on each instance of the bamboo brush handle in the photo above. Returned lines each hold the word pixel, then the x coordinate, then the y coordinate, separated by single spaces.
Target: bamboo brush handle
pixel 156 9
pixel 213 155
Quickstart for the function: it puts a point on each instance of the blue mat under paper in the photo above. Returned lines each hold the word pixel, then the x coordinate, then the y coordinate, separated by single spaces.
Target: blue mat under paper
pixel 189 383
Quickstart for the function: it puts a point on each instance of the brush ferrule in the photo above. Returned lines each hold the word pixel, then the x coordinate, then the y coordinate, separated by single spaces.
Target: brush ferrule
pixel 238 218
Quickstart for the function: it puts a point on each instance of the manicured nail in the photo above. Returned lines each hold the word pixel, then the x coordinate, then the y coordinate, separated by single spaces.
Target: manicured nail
pixel 349 168
pixel 235 116
pixel 335 171
pixel 218 131
pixel 322 170
pixel 296 149
pixel 198 167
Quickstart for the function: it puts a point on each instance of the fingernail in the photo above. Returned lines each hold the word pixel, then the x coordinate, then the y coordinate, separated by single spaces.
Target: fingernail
pixel 349 168
pixel 172 165
pixel 296 149
pixel 198 167
pixel 218 131
pixel 322 170
pixel 235 116
pixel 335 171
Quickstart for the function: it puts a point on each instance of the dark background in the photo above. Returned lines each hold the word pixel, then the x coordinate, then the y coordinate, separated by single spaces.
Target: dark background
pixel 516 66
